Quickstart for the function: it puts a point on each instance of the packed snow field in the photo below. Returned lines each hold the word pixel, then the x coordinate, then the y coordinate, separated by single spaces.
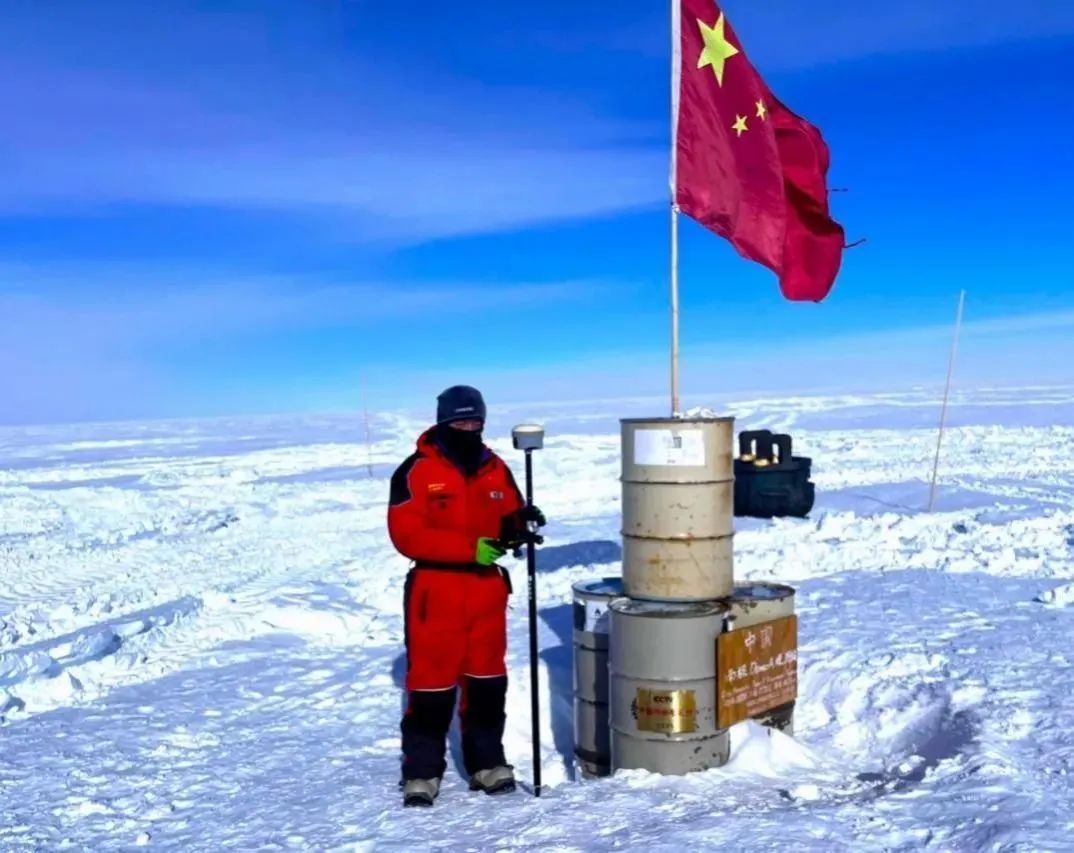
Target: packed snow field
pixel 201 637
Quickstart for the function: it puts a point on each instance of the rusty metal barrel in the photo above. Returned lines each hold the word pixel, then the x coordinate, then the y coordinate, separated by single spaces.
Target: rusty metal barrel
pixel 751 604
pixel 592 746
pixel 678 508
pixel 662 662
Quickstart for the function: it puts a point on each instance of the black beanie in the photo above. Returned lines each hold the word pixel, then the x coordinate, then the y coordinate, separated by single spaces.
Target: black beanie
pixel 459 403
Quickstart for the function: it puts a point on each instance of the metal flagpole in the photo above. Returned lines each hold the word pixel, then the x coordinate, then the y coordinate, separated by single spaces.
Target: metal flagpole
pixel 946 391
pixel 676 64
pixel 674 311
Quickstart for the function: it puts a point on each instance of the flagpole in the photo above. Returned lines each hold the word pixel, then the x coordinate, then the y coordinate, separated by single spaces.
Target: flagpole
pixel 676 65
pixel 674 311
pixel 946 391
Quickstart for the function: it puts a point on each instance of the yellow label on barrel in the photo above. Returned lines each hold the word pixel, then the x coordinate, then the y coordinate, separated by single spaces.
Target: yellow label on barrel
pixel 666 711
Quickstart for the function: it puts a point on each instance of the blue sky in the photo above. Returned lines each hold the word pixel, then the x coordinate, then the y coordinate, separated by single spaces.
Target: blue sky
pixel 222 207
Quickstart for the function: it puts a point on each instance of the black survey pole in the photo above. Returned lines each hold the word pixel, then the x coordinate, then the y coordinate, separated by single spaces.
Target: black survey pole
pixel 530 437
pixel 531 569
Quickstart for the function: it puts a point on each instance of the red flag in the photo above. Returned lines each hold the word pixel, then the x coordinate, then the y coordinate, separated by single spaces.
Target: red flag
pixel 745 166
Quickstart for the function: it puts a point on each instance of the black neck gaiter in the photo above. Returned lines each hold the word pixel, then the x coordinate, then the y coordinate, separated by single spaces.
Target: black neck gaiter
pixel 463 448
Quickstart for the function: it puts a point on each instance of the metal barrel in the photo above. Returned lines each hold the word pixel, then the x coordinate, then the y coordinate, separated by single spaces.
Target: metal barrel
pixel 662 662
pixel 753 603
pixel 592 737
pixel 590 672
pixel 678 508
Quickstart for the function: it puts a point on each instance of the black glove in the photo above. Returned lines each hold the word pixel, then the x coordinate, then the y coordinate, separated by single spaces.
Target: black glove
pixel 532 513
pixel 514 527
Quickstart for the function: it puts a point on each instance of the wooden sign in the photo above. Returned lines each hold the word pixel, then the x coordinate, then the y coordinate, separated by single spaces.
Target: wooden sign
pixel 666 711
pixel 757 669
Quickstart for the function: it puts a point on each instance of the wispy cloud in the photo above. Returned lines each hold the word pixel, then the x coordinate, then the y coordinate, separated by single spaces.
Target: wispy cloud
pixel 72 353
pixel 787 35
pixel 441 188
pixel 73 349
pixel 899 337
pixel 1016 349
pixel 148 306
pixel 1021 348
pixel 391 153
pixel 398 156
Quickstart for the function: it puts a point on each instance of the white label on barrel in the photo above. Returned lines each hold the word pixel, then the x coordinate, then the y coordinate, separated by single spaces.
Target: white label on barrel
pixel 669 447
pixel 596 617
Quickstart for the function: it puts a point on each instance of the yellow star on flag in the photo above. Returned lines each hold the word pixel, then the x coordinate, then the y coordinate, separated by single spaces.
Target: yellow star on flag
pixel 740 125
pixel 717 48
pixel 762 111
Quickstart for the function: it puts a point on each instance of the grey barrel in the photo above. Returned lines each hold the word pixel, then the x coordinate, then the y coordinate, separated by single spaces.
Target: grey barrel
pixel 592 746
pixel 662 662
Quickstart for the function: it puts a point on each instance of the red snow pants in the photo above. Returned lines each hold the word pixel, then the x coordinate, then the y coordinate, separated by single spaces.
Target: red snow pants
pixel 456 637
pixel 456 625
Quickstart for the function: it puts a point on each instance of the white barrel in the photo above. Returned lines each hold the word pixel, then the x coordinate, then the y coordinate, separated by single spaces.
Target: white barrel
pixel 590 672
pixel 662 661
pixel 678 508
pixel 753 603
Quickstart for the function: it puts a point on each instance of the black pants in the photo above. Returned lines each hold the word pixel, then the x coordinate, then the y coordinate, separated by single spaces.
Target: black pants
pixel 428 717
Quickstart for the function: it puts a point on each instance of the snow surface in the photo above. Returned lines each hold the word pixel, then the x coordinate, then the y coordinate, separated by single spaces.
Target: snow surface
pixel 201 638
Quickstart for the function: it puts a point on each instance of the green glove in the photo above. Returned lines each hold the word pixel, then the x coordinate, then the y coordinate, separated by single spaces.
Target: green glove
pixel 488 551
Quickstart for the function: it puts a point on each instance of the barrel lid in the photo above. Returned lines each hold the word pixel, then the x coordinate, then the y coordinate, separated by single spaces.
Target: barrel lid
pixel 667 609
pixel 603 587
pixel 760 591
pixel 679 421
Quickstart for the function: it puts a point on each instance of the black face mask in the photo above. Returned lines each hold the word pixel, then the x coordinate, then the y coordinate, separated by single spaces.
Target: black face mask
pixel 462 447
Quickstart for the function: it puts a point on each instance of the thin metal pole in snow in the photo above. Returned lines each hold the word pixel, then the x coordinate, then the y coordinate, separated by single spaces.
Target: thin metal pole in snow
pixel 946 392
pixel 676 63
pixel 365 420
pixel 368 444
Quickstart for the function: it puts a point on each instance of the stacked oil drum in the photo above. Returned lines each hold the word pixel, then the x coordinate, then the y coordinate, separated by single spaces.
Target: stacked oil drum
pixel 645 654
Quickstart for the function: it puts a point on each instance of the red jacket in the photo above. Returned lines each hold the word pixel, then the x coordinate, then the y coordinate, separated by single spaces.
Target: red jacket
pixel 436 513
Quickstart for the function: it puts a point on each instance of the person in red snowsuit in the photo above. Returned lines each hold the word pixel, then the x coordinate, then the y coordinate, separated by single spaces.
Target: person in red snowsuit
pixel 454 509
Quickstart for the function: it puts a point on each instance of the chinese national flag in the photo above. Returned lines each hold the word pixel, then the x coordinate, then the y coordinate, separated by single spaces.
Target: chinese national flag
pixel 746 167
